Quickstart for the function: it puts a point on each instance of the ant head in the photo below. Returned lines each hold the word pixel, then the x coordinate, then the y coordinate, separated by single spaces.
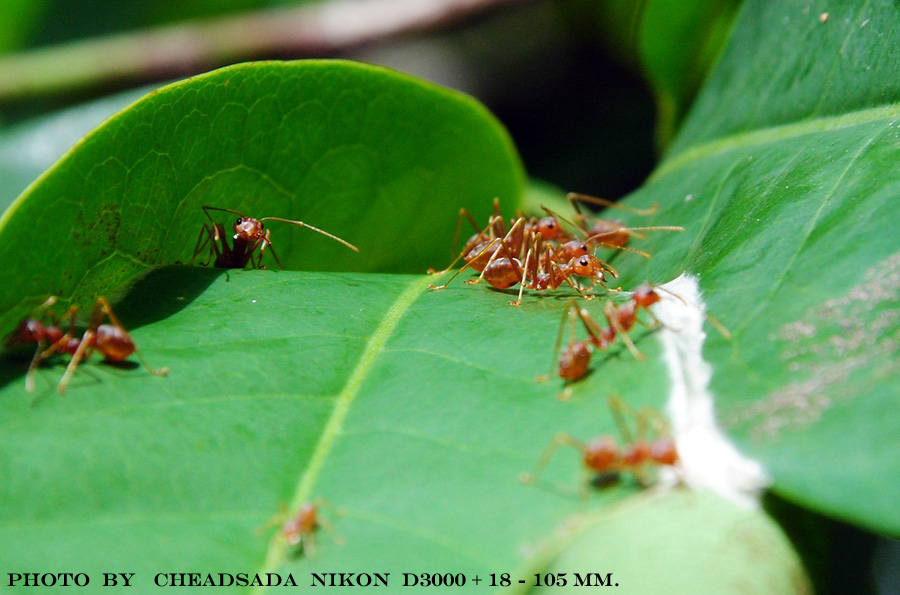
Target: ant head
pixel 549 228
pixel 588 265
pixel 292 532
pixel 601 454
pixel 113 342
pixel 247 228
pixel 664 452
pixel 645 295
pixel 28 331
pixel 574 249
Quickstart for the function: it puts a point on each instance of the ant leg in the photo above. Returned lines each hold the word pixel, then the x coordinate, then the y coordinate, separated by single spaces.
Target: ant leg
pixel 61 343
pixel 273 521
pixel 32 367
pixel 504 245
pixel 465 266
pixel 328 527
pixel 655 420
pixel 718 325
pixel 565 277
pixel 590 326
pixel 463 213
pixel 610 312
pixel 206 236
pixel 106 309
pixel 524 272
pixel 567 313
pixel 584 483
pixel 619 409
pixel 480 234
pixel 76 359
pixel 308 544
pixel 574 198
pixel 561 439
pixel 479 255
pixel 214 236
pixel 267 243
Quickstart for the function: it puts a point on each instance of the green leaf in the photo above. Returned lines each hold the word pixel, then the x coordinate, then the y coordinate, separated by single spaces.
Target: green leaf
pixel 413 412
pixel 785 176
pixel 30 148
pixel 416 412
pixel 678 42
pixel 378 158
pixel 712 544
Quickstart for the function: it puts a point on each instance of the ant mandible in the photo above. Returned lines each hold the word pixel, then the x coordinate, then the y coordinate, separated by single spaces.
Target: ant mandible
pixel 110 340
pixel 249 235
pixel 603 458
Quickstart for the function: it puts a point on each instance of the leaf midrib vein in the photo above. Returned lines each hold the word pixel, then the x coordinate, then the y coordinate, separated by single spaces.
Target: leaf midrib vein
pixel 773 134
pixel 807 232
pixel 332 429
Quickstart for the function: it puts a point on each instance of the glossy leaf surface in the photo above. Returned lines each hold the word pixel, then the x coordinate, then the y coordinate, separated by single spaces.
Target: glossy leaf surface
pixel 412 412
pixel 415 412
pixel 382 159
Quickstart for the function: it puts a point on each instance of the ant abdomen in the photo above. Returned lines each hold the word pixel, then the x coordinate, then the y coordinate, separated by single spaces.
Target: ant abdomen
pixel 613 232
pixel 502 273
pixel 113 342
pixel 574 360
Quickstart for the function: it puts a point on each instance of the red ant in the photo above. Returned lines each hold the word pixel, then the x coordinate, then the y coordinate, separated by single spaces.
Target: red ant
pixel 614 232
pixel 503 267
pixel 482 246
pixel 110 340
pixel 498 254
pixel 249 234
pixel 602 456
pixel 576 357
pixel 297 530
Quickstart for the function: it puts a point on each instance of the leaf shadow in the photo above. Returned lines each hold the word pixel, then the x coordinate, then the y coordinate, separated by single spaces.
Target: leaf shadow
pixel 163 292
pixel 160 293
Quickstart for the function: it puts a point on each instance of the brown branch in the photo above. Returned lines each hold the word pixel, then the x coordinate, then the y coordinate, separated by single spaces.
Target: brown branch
pixel 317 29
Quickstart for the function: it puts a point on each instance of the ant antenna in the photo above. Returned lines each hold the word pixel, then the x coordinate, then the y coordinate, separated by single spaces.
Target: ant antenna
pixel 316 229
pixel 718 325
pixel 575 198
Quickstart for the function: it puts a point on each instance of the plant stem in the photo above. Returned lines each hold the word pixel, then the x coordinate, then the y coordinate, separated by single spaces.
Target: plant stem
pixel 316 29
